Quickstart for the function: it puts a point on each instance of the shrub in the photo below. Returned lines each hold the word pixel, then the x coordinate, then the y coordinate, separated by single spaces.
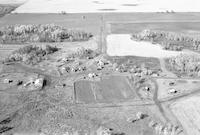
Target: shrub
pixel 63 12
pixel 169 39
pixel 84 53
pixel 40 33
pixel 187 64
pixel 173 47
pixel 31 54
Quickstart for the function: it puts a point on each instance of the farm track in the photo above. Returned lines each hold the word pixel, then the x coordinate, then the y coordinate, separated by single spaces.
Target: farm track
pixel 141 103
pixel 157 102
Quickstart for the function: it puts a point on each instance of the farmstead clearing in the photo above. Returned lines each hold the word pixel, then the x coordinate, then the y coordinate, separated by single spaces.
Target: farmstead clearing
pixel 99 73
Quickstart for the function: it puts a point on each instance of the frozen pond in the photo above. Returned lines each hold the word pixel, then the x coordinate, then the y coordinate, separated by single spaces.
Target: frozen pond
pixel 122 45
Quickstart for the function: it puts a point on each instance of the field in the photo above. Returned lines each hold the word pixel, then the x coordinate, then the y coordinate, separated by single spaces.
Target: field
pixel 180 85
pixel 124 102
pixel 187 112
pixel 13 1
pixel 117 119
pixel 75 21
pixel 66 47
pixel 180 26
pixel 109 89
pixel 93 21
pixel 90 6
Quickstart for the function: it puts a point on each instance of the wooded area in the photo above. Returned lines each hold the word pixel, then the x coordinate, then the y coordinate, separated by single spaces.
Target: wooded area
pixel 40 33
pixel 169 40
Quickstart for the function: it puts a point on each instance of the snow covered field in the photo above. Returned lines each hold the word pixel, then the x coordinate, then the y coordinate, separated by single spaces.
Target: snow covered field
pixel 88 6
pixel 12 1
pixel 122 45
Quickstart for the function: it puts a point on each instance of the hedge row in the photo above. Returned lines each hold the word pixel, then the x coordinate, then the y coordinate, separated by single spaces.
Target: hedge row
pixel 169 39
pixel 31 54
pixel 40 33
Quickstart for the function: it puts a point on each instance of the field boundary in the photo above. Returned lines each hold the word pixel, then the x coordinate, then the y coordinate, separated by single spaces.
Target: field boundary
pixel 157 21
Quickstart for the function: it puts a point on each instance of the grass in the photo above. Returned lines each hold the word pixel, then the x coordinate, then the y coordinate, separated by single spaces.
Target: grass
pixel 180 85
pixel 109 89
pixel 152 63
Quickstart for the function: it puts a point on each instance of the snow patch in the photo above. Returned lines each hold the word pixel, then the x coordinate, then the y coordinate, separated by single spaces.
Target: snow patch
pixel 122 45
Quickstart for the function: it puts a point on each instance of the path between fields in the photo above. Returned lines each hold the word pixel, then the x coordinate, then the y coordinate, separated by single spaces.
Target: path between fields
pixel 157 102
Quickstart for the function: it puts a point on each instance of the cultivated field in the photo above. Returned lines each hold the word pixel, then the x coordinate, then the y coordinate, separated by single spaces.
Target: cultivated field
pixel 109 89
pixel 119 21
pixel 180 26
pixel 187 112
pixel 74 21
